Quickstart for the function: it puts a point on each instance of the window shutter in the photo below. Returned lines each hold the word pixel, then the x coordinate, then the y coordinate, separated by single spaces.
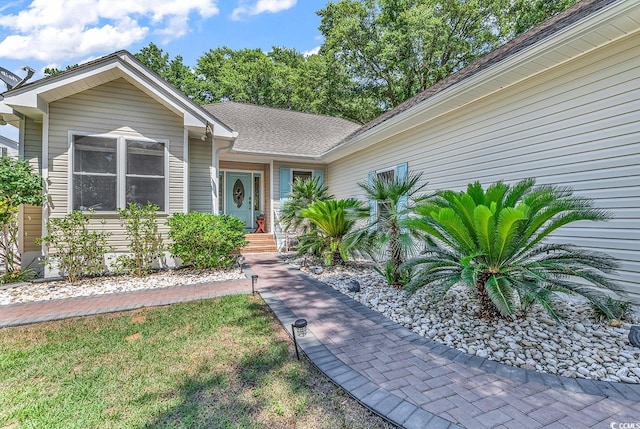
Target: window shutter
pixel 319 174
pixel 401 174
pixel 373 204
pixel 285 185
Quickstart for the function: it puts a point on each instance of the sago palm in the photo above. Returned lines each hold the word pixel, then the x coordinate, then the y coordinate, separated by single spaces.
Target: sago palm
pixel 388 234
pixel 493 241
pixel 333 221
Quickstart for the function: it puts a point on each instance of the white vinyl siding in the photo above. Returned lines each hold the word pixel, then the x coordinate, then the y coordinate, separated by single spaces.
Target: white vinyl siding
pixel 116 107
pixel 200 181
pixel 575 125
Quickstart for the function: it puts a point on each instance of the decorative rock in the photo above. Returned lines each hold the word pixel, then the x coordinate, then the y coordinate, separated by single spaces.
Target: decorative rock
pixel 353 285
pixel 622 372
pixel 482 354
pixel 575 348
pixel 316 270
pixel 615 323
pixel 634 335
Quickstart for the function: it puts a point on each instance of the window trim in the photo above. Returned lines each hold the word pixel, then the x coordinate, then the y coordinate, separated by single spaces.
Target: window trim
pixel 121 168
pixel 301 170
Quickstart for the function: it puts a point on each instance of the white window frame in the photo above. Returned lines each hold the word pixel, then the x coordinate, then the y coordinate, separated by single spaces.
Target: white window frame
pixel 386 170
pixel 121 168
pixel 301 170
pixel 378 173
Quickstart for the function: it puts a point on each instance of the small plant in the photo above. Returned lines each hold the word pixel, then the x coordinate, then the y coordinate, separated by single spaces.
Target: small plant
pixel 145 242
pixel 393 275
pixel 17 276
pixel 74 249
pixel 206 240
pixel 334 221
pixel 615 309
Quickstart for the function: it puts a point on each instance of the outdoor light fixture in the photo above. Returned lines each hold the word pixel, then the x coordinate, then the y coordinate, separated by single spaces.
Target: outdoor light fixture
pixel 254 279
pixel 240 262
pixel 298 327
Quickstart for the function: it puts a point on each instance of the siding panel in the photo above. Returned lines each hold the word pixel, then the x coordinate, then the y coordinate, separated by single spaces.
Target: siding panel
pixel 114 107
pixel 573 125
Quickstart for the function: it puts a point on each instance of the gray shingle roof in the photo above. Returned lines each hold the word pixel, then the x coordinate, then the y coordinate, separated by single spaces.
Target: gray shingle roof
pixel 278 131
pixel 546 29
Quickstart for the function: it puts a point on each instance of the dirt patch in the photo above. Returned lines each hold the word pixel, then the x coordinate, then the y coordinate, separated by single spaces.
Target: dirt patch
pixel 135 337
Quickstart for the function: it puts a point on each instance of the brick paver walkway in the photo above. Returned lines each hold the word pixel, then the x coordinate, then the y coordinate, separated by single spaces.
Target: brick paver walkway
pixel 412 382
pixel 21 314
pixel 418 383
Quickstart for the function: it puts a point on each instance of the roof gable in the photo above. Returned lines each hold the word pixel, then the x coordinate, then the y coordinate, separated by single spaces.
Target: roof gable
pixel 33 98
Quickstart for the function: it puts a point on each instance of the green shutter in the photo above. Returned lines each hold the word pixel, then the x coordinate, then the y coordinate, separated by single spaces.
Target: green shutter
pixel 285 185
pixel 320 174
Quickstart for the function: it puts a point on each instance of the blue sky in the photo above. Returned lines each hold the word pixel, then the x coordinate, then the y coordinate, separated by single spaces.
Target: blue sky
pixel 57 33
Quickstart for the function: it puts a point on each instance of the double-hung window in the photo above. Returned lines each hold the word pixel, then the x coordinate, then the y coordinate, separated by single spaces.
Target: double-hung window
pixel 108 172
pixel 387 176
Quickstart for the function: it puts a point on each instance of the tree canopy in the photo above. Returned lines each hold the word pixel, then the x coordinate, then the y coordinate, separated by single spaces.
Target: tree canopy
pixel 376 54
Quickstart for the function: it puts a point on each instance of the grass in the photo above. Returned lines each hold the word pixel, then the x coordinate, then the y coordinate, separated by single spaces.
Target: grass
pixel 222 363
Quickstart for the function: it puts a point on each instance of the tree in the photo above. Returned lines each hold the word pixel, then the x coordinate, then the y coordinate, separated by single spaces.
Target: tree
pixel 18 185
pixel 172 70
pixel 526 14
pixel 493 241
pixel 397 48
pixel 388 235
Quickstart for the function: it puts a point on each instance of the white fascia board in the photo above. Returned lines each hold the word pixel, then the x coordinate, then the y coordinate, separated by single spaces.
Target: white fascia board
pixel 420 112
pixel 280 155
pixel 32 96
pixel 4 108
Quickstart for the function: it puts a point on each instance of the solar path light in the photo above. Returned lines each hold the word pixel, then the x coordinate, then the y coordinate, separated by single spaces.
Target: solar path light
pixel 254 280
pixel 299 328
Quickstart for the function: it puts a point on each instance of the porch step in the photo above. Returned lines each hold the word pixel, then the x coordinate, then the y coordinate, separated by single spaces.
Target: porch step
pixel 260 243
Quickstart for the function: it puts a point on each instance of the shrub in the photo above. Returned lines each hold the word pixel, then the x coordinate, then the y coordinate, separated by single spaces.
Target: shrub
pixel 493 241
pixel 77 251
pixel 145 243
pixel 18 185
pixel 206 240
pixel 334 221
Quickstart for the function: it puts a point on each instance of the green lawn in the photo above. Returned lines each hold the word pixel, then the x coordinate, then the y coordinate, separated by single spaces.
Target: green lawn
pixel 215 363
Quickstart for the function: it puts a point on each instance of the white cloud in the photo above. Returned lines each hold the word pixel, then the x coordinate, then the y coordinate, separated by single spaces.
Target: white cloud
pixel 262 6
pixel 313 51
pixel 50 30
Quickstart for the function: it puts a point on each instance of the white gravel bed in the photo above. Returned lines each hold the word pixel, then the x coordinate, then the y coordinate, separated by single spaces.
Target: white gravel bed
pixel 577 347
pixel 44 291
